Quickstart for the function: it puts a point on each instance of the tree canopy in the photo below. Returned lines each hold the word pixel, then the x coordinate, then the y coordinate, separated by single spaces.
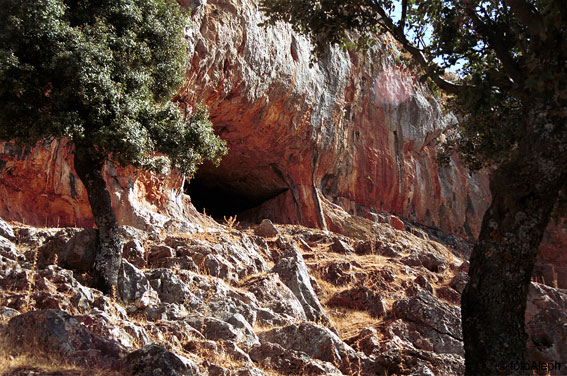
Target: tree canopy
pixel 102 73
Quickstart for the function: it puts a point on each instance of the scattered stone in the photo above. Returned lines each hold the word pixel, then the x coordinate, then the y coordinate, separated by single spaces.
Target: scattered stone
pixel 266 229
pixel 6 231
pixel 133 251
pixel 341 246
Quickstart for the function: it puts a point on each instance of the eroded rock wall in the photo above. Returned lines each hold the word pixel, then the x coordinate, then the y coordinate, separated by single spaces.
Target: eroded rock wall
pixel 354 130
pixel 39 187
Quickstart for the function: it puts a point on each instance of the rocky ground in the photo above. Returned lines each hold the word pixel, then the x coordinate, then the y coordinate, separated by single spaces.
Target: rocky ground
pixel 245 300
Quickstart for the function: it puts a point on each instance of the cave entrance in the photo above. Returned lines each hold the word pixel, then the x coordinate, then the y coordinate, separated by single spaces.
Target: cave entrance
pixel 221 200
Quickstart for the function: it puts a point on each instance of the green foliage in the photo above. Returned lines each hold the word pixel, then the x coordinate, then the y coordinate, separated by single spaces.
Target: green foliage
pixel 102 73
pixel 511 56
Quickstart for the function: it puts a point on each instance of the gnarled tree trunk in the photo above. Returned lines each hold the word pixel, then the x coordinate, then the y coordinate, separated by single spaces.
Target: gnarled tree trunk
pixel 524 192
pixel 88 165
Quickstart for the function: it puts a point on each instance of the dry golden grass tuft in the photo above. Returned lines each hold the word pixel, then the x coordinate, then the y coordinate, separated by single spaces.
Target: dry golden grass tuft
pixel 231 223
pixel 16 364
pixel 31 283
pixel 350 322
pixel 41 364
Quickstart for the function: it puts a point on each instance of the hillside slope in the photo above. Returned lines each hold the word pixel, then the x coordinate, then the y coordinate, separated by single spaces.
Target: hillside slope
pixel 262 300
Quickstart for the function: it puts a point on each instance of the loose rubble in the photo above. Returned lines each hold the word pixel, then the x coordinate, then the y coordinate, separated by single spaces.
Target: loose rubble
pixel 296 301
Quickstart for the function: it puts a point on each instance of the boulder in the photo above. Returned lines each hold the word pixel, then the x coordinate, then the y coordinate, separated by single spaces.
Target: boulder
pixel 266 229
pixel 431 321
pixel 290 362
pixel 274 295
pixel 169 287
pixel 293 272
pixel 6 230
pixel 316 341
pixel 56 333
pixel 154 360
pixel 133 285
pixel 360 298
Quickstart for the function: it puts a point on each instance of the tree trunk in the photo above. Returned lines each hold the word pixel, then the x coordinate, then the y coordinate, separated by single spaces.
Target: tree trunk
pixel 493 303
pixel 108 259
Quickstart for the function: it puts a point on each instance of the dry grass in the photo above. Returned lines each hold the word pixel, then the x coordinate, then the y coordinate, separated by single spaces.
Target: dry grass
pixel 231 223
pixel 349 322
pixel 9 364
pixel 43 365
pixel 31 283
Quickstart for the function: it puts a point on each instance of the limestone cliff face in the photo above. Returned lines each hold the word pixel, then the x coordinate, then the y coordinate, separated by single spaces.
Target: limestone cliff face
pixel 354 130
pixel 39 187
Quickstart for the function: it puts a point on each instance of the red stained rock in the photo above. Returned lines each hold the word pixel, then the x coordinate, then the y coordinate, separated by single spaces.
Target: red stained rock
pixel 39 187
pixel 397 223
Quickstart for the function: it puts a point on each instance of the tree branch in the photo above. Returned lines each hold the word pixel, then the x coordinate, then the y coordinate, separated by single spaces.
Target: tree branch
pixel 432 69
pixel 404 15
pixel 495 42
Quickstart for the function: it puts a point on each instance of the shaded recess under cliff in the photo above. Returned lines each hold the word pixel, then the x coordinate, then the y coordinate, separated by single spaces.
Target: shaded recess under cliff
pixel 219 198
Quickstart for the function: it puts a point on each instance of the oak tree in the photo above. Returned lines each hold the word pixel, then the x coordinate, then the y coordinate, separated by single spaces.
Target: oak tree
pixel 511 97
pixel 101 73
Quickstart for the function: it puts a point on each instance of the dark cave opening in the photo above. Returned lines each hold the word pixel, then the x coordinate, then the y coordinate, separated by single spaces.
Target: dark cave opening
pixel 220 201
